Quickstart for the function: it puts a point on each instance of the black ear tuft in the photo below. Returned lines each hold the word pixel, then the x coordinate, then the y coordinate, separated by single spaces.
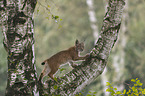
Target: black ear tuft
pixel 42 63
pixel 77 42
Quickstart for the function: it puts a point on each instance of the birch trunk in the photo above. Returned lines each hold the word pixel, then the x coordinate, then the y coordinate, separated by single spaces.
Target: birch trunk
pixel 17 28
pixel 118 56
pixel 104 77
pixel 93 21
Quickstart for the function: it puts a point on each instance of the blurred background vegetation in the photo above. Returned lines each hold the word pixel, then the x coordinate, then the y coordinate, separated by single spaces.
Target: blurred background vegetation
pixel 53 35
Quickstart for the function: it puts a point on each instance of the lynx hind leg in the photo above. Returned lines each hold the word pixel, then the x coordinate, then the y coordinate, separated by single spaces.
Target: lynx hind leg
pixel 52 72
pixel 45 72
pixel 51 75
pixel 42 75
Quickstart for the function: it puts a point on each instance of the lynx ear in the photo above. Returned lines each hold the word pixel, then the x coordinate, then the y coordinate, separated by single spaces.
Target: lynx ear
pixel 77 42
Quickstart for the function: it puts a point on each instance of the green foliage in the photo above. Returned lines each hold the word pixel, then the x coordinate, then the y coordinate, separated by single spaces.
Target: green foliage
pixel 135 90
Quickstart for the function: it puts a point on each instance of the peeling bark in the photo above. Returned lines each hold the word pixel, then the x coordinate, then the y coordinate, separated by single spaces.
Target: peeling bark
pixel 17 28
pixel 78 78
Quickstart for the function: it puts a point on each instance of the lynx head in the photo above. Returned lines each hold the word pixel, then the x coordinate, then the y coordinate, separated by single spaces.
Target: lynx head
pixel 79 46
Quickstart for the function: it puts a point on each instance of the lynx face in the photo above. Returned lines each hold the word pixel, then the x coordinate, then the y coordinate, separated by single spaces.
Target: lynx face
pixel 79 46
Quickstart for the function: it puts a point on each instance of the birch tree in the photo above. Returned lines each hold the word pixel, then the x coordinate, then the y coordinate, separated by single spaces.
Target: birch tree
pixel 118 56
pixel 94 26
pixel 17 28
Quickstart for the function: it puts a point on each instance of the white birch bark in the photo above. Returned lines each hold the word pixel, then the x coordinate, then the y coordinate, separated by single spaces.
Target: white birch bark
pixel 17 28
pixel 104 77
pixel 93 21
pixel 119 57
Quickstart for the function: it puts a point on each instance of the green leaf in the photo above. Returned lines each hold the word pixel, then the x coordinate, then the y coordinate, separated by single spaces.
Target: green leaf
pixel 94 92
pixel 113 93
pixel 129 92
pixel 138 83
pixel 115 88
pixel 143 92
pixel 108 90
pixel 118 92
pixel 135 84
pixel 108 84
pixel 111 87
pixel 124 91
pixel 133 80
pixel 56 17
pixel 133 88
pixel 90 92
pixel 55 87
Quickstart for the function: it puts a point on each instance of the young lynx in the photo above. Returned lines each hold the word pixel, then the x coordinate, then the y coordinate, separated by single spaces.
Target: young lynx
pixel 52 64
